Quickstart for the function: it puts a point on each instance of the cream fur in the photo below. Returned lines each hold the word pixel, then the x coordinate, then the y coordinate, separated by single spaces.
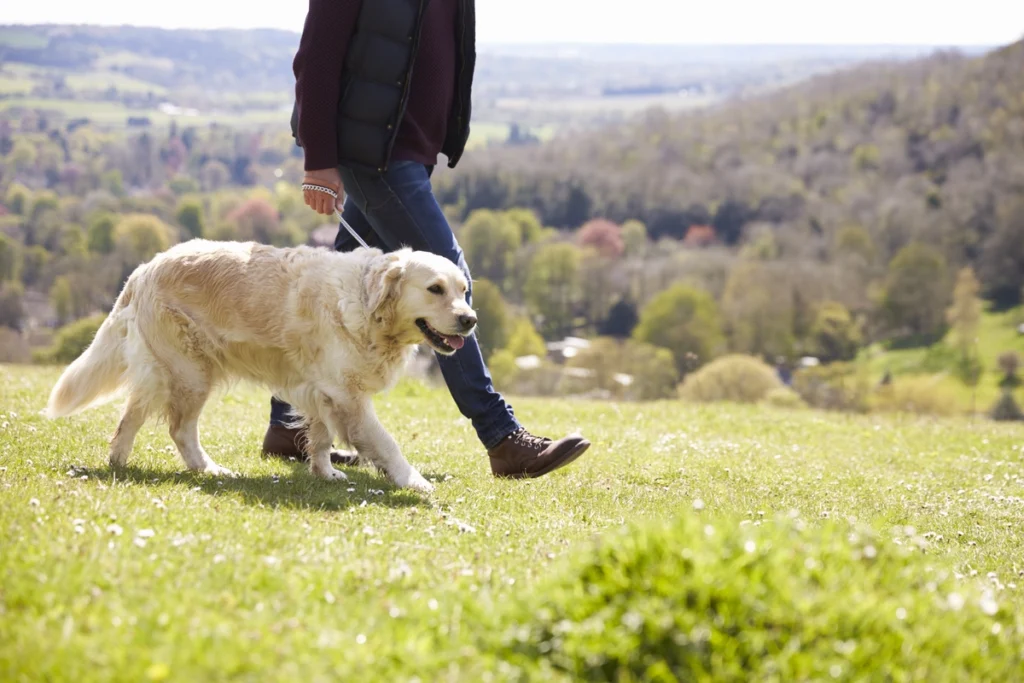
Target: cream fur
pixel 322 330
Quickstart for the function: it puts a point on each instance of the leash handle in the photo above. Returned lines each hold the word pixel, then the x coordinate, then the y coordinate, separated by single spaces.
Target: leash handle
pixel 344 223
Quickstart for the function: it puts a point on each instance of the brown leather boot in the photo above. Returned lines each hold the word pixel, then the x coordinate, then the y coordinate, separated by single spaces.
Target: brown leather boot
pixel 522 455
pixel 281 442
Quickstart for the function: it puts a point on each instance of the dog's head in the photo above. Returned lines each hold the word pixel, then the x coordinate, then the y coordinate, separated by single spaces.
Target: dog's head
pixel 420 296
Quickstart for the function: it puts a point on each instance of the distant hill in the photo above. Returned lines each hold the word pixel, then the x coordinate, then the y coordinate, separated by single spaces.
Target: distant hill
pixel 236 60
pixel 239 77
pixel 870 158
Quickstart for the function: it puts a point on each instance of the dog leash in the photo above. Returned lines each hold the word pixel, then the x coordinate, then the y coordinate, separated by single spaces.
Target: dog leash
pixel 344 223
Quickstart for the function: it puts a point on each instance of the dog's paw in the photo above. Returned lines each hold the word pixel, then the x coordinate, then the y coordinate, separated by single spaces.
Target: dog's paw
pixel 331 474
pixel 416 482
pixel 215 470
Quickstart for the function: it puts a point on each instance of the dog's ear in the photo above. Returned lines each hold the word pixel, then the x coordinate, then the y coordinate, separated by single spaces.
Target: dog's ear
pixel 382 284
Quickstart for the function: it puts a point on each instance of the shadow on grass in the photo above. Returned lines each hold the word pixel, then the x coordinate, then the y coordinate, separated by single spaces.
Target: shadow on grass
pixel 300 489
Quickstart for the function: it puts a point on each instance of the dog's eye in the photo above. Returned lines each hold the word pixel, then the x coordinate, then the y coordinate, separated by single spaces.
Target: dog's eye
pixel 435 289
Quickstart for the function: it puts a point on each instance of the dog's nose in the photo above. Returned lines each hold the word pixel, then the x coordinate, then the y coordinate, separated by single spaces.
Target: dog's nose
pixel 467 321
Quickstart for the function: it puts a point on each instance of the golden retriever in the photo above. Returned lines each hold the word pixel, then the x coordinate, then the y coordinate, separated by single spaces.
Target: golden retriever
pixel 324 331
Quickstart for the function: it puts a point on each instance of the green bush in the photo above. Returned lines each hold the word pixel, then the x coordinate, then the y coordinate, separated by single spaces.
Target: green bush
pixel 71 340
pixel 739 378
pixel 837 386
pixel 919 395
pixel 783 397
pixel 684 601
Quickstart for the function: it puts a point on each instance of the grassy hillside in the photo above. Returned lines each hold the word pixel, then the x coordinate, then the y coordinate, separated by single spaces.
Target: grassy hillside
pixel 721 543
pixel 997 334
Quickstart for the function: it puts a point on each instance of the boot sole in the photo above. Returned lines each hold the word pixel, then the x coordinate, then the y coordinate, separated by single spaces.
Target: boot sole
pixel 567 459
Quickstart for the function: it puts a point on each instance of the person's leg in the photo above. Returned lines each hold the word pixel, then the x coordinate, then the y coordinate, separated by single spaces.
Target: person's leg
pixel 401 208
pixel 279 439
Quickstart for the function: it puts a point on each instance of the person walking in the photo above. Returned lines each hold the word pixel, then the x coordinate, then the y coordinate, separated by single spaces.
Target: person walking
pixel 382 89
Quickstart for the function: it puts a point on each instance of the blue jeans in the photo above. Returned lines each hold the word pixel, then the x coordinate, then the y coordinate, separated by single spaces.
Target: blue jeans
pixel 397 209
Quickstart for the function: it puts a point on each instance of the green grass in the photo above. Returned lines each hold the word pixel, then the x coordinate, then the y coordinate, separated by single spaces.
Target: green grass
pixel 996 335
pixel 708 542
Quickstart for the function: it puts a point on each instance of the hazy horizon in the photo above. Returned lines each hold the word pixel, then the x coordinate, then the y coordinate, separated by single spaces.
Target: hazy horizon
pixel 649 22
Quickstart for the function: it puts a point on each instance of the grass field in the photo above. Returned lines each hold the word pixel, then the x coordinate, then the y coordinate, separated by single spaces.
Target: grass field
pixel 997 334
pixel 690 543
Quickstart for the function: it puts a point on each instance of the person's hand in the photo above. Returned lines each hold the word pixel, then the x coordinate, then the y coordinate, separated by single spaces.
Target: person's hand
pixel 319 201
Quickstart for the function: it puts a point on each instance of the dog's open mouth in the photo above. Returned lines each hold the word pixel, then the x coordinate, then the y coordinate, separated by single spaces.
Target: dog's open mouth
pixel 445 343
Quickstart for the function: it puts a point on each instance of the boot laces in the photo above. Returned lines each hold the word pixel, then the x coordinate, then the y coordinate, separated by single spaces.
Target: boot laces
pixel 525 438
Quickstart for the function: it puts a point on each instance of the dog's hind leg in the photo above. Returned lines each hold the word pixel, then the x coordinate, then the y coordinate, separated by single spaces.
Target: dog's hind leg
pixel 184 407
pixel 134 415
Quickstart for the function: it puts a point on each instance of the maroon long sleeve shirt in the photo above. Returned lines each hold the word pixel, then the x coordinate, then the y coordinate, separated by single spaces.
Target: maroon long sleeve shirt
pixel 318 64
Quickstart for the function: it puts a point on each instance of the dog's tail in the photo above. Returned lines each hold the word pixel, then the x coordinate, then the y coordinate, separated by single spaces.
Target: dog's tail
pixel 97 373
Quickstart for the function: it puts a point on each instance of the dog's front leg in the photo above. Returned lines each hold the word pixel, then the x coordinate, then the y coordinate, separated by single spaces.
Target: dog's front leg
pixel 368 436
pixel 318 448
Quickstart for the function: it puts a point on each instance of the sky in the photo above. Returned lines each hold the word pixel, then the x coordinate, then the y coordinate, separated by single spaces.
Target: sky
pixel 908 22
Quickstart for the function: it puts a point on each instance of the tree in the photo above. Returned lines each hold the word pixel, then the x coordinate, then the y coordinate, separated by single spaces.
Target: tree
pixel 1006 409
pixel 730 219
pixel 964 318
pixel 257 220
pixel 758 306
pixel 190 217
pixel 100 238
pixel 490 241
pixel 685 321
pixel 553 287
pixel 835 335
pixel 493 324
pixel 634 237
pixel 1001 265
pixel 11 309
pixel 61 299
pixel 10 259
pixel 621 321
pixel 916 292
pixel 597 287
pixel 525 341
pixel 603 236
pixel 141 236
pixel 18 199
pixel 530 228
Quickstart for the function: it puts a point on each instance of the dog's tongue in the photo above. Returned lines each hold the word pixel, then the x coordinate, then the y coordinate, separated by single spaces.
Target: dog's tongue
pixel 454 341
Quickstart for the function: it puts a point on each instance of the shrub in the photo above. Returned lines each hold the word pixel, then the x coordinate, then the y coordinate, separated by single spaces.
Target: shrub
pixel 680 600
pixel 1006 409
pixel 743 379
pixel 783 397
pixel 651 370
pixel 837 386
pixel 71 340
pixel 919 395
